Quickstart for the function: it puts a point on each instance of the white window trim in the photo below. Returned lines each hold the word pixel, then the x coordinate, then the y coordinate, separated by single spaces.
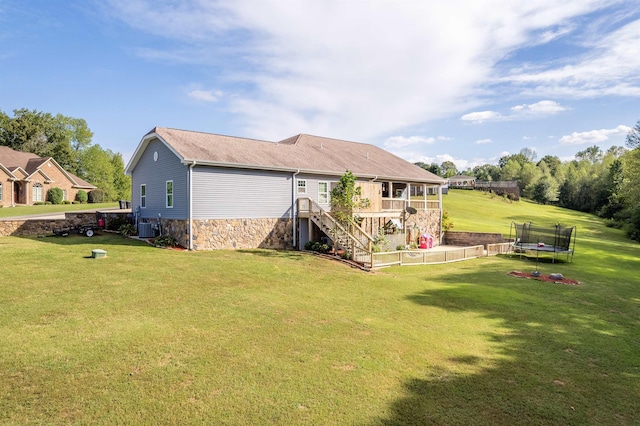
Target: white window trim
pixel 0 192
pixel 323 193
pixel 302 187
pixel 40 192
pixel 143 198
pixel 166 198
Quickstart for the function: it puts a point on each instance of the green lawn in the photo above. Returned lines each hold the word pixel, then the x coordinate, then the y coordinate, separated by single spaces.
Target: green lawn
pixel 57 208
pixel 152 336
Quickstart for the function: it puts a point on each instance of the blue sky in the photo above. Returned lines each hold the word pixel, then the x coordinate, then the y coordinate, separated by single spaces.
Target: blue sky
pixel 446 80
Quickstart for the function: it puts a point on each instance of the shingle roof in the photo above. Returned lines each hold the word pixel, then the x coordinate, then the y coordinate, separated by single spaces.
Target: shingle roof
pixel 311 154
pixel 30 163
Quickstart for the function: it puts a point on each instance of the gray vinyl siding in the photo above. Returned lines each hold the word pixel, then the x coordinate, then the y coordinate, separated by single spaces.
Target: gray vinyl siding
pixel 155 174
pixel 222 193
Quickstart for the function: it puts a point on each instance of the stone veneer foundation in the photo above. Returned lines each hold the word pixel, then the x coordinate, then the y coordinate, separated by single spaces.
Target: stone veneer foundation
pixel 215 234
pixel 426 222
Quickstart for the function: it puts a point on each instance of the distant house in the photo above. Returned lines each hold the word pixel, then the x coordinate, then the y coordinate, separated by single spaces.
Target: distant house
pixel 25 178
pixel 461 181
pixel 219 192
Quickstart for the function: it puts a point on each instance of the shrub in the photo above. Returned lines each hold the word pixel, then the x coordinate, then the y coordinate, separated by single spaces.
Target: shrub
pixel 38 203
pixel 66 202
pixel 127 229
pixel 164 241
pixel 54 195
pixel 96 196
pixel 82 196
pixel 115 223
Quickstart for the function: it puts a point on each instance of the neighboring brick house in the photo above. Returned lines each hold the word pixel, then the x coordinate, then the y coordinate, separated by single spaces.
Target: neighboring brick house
pixel 25 178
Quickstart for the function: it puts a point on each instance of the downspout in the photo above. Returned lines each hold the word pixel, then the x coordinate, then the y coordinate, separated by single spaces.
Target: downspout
pixel 191 204
pixel 440 203
pixel 293 208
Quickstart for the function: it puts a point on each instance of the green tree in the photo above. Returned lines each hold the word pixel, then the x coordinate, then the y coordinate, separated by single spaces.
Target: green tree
pixel 486 172
pixel 545 190
pixel 630 191
pixel 448 169
pixel 346 198
pixel 97 168
pixel 46 135
pixel 593 154
pixel 121 182
pixel 633 137
pixel 552 162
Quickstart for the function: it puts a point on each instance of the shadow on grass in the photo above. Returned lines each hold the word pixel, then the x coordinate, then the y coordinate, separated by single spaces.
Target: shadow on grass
pixel 100 238
pixel 280 254
pixel 559 356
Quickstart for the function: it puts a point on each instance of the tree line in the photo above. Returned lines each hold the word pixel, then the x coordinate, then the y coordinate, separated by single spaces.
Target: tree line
pixel 605 183
pixel 68 141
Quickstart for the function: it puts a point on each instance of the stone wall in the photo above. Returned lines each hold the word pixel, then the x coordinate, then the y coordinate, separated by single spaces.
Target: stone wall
pixel 425 222
pixel 216 234
pixel 36 227
pixel 463 239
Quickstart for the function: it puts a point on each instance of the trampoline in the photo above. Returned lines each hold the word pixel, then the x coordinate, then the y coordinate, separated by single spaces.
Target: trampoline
pixel 557 240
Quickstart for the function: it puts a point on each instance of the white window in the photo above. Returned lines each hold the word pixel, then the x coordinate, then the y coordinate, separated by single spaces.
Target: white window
pixel 323 192
pixel 0 192
pixel 143 196
pixel 169 194
pixel 302 186
pixel 37 193
pixel 64 194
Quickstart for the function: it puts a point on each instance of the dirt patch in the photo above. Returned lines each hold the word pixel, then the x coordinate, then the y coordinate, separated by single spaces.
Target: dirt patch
pixel 543 277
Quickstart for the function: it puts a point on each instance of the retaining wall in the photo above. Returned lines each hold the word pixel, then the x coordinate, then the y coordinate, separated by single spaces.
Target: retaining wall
pixel 463 239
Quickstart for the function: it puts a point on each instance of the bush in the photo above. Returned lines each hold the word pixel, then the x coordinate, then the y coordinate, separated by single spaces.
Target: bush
pixel 96 196
pixel 317 246
pixel 54 195
pixel 66 202
pixel 82 196
pixel 127 229
pixel 164 241
pixel 115 223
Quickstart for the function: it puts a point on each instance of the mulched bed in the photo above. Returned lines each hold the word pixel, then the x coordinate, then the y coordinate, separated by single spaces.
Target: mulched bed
pixel 543 277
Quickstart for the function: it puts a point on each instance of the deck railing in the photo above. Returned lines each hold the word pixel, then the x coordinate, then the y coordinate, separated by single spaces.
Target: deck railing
pixel 351 238
pixel 399 204
pixel 426 257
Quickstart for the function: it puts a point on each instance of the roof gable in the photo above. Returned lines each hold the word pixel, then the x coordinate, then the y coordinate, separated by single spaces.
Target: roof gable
pixel 305 153
pixel 24 165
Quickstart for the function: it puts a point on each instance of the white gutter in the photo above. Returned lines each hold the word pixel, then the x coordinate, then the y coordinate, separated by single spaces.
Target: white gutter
pixel 293 208
pixel 191 205
pixel 223 164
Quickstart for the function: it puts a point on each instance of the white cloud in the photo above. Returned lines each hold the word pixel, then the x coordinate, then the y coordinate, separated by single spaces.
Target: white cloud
pixel 483 141
pixel 610 66
pixel 205 95
pixel 331 68
pixel 518 112
pixel 401 141
pixel 481 116
pixel 593 136
pixel 539 108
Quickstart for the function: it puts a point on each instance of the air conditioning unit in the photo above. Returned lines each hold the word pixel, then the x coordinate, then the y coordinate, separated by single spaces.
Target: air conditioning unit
pixel 145 230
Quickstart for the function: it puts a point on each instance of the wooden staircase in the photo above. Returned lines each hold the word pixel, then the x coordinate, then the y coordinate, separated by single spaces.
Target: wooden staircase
pixel 352 239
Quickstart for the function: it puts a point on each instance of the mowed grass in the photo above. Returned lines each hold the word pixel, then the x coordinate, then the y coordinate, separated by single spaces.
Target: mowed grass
pixel 52 208
pixel 152 336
